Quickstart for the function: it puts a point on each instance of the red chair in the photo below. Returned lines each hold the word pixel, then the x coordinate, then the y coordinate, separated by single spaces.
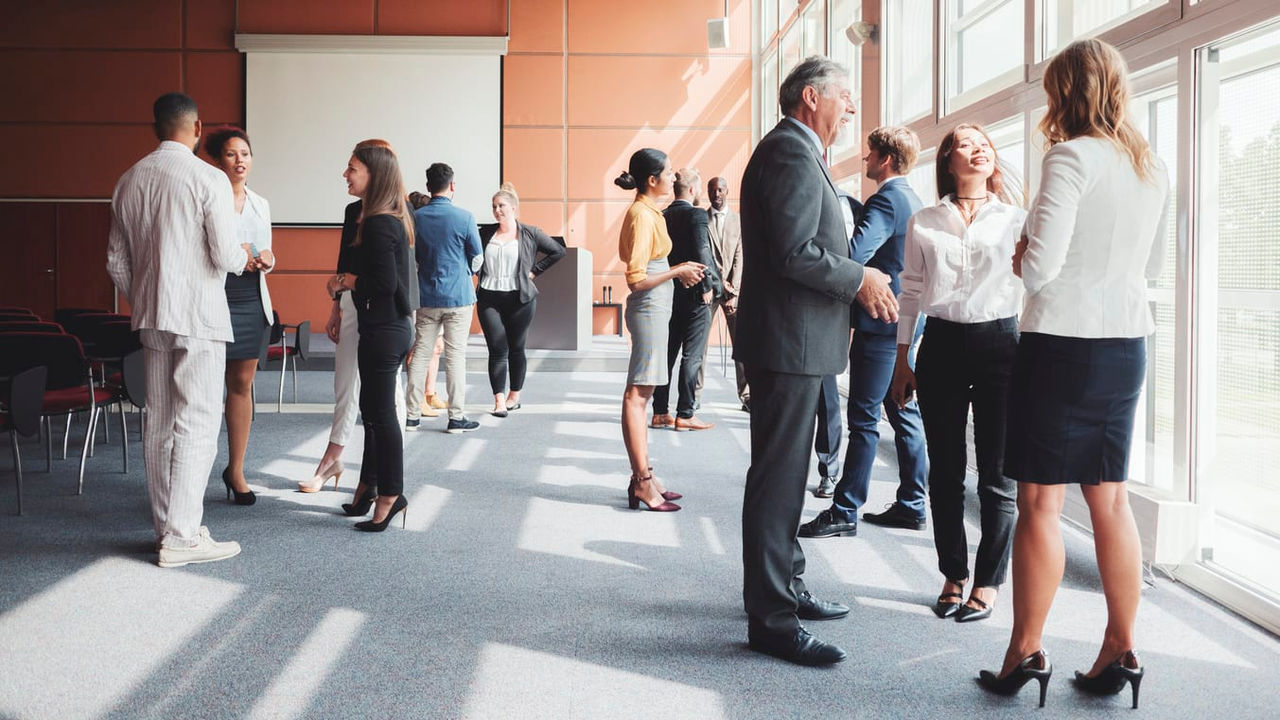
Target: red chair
pixel 20 413
pixel 61 315
pixel 15 310
pixel 35 326
pixel 299 349
pixel 70 387
pixel 17 317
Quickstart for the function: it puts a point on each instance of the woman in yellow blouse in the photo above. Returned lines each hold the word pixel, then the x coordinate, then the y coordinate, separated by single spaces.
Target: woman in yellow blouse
pixel 643 245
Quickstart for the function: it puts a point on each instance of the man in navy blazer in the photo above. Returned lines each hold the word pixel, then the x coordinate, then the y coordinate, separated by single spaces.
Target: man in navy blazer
pixel 879 241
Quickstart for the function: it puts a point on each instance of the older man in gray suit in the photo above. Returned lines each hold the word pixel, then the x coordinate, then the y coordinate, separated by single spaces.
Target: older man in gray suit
pixel 798 283
pixel 172 243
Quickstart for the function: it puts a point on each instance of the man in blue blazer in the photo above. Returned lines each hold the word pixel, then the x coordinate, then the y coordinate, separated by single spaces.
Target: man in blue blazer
pixel 879 241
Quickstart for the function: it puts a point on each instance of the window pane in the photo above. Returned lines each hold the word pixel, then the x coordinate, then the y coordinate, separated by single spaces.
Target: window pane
pixel 790 50
pixel 844 12
pixel 983 45
pixel 908 31
pixel 1066 20
pixel 813 20
pixel 768 20
pixel 1240 316
pixel 922 178
pixel 769 93
pixel 1008 137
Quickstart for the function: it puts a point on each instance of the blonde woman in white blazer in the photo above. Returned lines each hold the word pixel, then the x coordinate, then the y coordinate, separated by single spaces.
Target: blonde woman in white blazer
pixel 247 299
pixel 1091 242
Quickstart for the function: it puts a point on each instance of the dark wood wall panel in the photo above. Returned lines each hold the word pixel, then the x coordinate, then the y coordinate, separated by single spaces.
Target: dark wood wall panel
pixel 85 86
pixel 28 236
pixel 96 24
pixel 442 17
pixel 83 229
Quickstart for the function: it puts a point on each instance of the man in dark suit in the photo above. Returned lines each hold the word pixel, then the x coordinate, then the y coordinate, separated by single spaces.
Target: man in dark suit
pixel 725 231
pixel 690 308
pixel 879 241
pixel 798 283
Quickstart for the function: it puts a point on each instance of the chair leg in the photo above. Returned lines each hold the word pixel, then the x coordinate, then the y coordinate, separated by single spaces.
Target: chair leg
pixel 280 397
pixel 17 466
pixel 92 429
pixel 106 425
pixel 48 444
pixel 88 440
pixel 293 367
pixel 124 438
pixel 66 436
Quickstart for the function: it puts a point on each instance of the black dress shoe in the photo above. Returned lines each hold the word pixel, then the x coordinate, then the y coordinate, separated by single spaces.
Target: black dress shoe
pixel 826 487
pixel 895 515
pixel 825 525
pixel 799 647
pixel 811 608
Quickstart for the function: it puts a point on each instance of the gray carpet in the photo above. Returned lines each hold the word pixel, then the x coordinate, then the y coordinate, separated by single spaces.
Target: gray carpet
pixel 524 588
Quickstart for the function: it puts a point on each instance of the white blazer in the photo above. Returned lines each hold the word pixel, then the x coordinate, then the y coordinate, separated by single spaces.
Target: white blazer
pixel 1095 235
pixel 261 220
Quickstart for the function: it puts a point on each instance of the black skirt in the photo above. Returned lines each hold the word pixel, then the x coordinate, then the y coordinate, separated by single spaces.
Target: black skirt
pixel 1071 407
pixel 248 321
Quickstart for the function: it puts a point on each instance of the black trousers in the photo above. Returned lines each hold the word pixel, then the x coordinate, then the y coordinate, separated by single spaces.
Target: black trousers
pixel 505 322
pixel 784 409
pixel 687 336
pixel 379 356
pixel 958 366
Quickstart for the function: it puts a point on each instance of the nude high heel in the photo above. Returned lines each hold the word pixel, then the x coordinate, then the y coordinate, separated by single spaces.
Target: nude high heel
pixel 317 482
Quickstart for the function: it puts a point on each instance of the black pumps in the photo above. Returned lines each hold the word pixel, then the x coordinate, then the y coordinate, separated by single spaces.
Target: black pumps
pixel 241 498
pixel 1033 667
pixel 399 506
pixel 361 506
pixel 1111 680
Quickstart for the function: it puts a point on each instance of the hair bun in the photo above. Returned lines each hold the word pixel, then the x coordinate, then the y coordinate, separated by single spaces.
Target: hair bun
pixel 625 181
pixel 507 187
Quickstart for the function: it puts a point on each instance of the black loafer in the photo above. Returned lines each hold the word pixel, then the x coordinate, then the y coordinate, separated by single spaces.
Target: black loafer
pixel 811 608
pixel 826 487
pixel 896 515
pixel 800 648
pixel 825 525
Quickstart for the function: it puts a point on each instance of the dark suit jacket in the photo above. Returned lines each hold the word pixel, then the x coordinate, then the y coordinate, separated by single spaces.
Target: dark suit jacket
pixel 690 234
pixel 798 280
pixel 879 241
pixel 532 241
pixel 381 294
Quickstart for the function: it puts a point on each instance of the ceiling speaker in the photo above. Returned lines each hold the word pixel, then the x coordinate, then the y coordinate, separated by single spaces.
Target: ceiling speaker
pixel 718 33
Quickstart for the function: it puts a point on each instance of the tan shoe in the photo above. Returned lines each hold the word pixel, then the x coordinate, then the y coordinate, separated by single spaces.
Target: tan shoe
pixel 663 421
pixel 692 423
pixel 427 410
pixel 434 401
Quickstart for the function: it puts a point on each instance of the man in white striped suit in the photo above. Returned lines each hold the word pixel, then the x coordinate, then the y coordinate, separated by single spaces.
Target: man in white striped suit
pixel 173 240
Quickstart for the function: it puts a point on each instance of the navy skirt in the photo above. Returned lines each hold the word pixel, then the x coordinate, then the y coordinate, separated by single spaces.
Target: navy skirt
pixel 1071 407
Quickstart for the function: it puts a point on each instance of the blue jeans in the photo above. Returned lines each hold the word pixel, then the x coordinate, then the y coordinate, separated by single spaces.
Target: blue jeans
pixel 871 361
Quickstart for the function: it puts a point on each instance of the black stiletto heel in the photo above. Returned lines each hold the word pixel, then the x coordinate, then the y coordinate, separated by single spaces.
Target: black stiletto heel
pixel 1033 667
pixel 241 498
pixel 1111 680
pixel 399 506
pixel 361 506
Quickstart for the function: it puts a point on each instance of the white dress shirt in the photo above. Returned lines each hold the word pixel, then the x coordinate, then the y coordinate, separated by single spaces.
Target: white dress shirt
pixel 1095 233
pixel 173 239
pixel 958 273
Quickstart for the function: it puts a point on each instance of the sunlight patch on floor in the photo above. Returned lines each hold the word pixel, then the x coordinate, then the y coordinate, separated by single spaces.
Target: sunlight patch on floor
pixel 293 689
pixel 566 529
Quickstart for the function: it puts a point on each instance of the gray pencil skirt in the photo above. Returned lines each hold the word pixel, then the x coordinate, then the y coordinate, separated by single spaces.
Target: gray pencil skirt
pixel 648 315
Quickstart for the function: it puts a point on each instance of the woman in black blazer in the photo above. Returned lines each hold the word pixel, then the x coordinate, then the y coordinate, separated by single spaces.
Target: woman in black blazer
pixel 380 292
pixel 507 297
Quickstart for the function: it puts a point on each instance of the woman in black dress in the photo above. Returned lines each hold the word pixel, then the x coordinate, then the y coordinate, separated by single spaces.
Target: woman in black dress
pixel 379 287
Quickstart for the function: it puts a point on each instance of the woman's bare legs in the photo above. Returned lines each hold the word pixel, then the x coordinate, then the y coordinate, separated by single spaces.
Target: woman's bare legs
pixel 635 435
pixel 1038 562
pixel 1119 553
pixel 239 409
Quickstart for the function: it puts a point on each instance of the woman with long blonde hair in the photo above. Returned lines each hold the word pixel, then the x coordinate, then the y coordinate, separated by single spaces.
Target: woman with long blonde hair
pixel 379 287
pixel 1090 244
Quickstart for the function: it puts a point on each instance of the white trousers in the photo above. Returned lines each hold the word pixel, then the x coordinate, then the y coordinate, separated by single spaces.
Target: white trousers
pixel 346 377
pixel 184 411
pixel 428 324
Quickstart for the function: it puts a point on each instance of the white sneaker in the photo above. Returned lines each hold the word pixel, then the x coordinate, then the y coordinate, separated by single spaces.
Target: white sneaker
pixel 204 532
pixel 206 550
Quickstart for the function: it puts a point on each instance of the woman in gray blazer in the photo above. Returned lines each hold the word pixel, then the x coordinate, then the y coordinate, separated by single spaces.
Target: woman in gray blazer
pixel 506 297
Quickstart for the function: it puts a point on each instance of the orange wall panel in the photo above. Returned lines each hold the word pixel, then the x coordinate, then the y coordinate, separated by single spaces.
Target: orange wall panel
pixel 299 297
pixel 442 17
pixel 595 226
pixel 537 26
pixel 533 90
pixel 306 17
pixel 660 91
pixel 84 86
pixel 216 81
pixel 210 24
pixel 597 156
pixel 70 161
pixel 305 249
pixel 88 24
pixel 654 28
pixel 533 161
pixel 547 215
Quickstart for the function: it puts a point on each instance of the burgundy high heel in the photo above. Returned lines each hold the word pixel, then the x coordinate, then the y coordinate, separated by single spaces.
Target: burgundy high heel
pixel 667 494
pixel 634 500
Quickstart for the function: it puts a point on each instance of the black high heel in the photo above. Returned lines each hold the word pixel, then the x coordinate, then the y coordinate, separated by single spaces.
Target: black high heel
pixel 241 498
pixel 1033 667
pixel 361 506
pixel 1112 678
pixel 399 506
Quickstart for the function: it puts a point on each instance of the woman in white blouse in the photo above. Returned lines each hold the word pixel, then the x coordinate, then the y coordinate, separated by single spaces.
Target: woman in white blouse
pixel 247 299
pixel 507 298
pixel 956 271
pixel 1089 246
